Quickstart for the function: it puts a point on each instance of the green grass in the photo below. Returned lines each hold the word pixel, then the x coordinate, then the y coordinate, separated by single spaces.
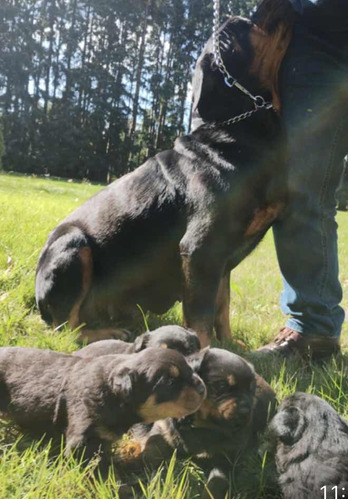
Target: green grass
pixel 29 209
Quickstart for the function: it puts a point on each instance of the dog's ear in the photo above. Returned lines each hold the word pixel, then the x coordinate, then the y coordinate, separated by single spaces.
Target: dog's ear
pixel 141 342
pixel 289 425
pixel 195 360
pixel 202 86
pixel 122 381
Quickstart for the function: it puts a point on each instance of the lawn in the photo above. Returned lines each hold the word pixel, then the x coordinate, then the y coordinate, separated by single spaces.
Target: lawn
pixel 29 209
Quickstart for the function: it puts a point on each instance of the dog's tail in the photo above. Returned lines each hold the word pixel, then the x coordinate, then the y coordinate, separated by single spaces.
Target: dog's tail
pixel 64 275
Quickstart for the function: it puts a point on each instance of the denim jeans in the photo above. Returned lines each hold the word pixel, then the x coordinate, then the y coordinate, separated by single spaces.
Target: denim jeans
pixel 314 95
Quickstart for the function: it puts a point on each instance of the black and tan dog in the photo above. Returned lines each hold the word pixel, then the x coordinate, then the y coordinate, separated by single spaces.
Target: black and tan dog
pixel 238 405
pixel 175 227
pixel 312 448
pixel 168 337
pixel 94 401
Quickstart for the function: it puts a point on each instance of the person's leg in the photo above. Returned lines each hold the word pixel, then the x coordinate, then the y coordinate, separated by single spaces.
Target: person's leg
pixel 315 114
pixel 342 191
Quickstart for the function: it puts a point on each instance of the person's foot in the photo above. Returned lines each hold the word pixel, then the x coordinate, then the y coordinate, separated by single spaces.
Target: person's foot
pixel 289 343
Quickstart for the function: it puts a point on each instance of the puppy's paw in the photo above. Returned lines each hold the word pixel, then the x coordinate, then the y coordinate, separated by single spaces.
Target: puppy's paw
pixel 217 484
pixel 129 451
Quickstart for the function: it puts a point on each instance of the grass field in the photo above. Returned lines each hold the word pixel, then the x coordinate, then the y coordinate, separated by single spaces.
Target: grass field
pixel 29 209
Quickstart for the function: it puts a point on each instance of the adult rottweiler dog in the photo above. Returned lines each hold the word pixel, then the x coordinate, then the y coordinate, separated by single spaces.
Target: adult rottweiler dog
pixel 311 448
pixel 238 405
pixel 175 227
pixel 95 400
pixel 167 337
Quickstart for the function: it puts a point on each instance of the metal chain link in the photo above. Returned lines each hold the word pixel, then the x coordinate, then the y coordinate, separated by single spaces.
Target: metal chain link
pixel 233 120
pixel 230 81
pixel 216 45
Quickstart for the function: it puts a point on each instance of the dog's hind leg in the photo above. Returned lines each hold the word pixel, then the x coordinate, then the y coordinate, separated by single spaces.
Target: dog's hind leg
pixel 222 315
pixel 64 277
pixel 85 256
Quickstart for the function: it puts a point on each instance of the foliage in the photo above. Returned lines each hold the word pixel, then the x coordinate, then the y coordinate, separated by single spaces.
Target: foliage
pixel 90 88
pixel 2 145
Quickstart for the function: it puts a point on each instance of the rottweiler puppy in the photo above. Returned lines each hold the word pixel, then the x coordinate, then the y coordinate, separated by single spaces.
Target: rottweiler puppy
pixel 311 448
pixel 168 337
pixel 95 400
pixel 174 228
pixel 237 407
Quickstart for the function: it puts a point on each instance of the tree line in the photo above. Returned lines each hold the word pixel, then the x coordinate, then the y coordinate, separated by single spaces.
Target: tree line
pixel 91 88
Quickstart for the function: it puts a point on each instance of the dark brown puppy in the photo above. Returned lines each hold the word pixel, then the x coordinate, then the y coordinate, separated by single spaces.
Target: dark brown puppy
pixel 312 448
pixel 237 406
pixel 94 401
pixel 175 227
pixel 168 337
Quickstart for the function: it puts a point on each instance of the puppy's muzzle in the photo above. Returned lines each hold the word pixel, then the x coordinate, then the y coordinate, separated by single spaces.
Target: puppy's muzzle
pixel 236 409
pixel 245 407
pixel 199 385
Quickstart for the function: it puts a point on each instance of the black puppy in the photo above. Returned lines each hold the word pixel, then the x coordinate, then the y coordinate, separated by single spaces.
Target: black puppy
pixel 237 406
pixel 94 401
pixel 175 227
pixel 312 448
pixel 171 337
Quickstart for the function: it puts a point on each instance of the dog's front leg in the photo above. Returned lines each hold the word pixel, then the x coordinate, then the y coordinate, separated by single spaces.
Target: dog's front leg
pixel 85 444
pixel 222 316
pixel 200 285
pixel 202 269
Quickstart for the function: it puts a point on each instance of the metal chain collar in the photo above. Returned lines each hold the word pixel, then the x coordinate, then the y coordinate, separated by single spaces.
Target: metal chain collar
pixel 230 81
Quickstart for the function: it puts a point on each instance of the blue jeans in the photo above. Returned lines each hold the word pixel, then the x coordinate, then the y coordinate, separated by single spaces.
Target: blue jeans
pixel 314 95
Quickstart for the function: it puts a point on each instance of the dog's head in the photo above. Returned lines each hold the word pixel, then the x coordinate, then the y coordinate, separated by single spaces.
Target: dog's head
pixel 251 56
pixel 230 382
pixel 305 416
pixel 171 337
pixel 158 383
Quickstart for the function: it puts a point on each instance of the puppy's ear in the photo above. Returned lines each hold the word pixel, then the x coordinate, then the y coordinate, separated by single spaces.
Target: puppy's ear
pixel 289 425
pixel 195 360
pixel 122 382
pixel 141 342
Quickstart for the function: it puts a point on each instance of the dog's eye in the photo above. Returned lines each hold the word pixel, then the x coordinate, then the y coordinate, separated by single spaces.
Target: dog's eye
pixel 166 381
pixel 213 65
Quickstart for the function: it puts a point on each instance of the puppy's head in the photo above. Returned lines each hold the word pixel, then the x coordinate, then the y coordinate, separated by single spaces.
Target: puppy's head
pixel 300 414
pixel 158 383
pixel 169 337
pixel 230 382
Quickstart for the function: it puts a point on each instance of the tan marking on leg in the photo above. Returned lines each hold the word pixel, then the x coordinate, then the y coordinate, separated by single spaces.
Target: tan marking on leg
pixel 85 255
pixel 199 328
pixel 222 317
pixel 204 339
pixel 262 218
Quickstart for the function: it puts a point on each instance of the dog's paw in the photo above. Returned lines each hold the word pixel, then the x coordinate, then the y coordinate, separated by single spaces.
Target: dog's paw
pixel 87 336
